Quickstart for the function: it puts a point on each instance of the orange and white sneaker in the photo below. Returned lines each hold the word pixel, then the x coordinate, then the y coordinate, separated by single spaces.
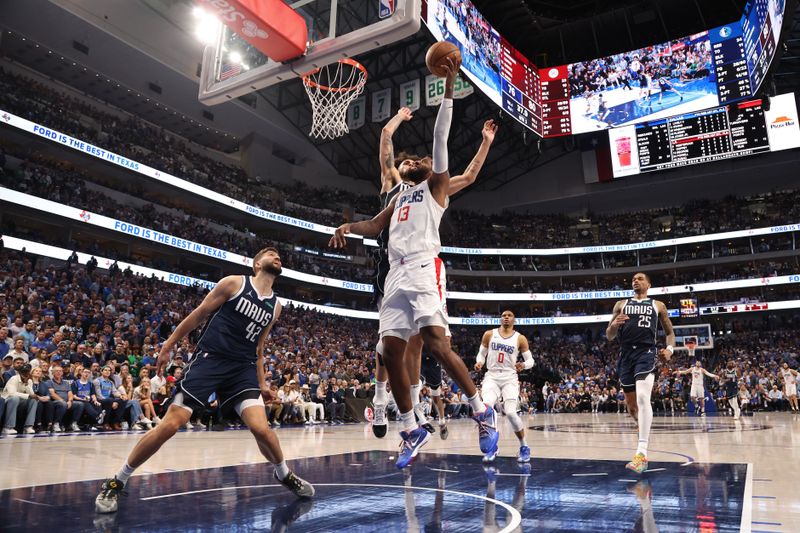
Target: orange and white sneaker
pixel 639 463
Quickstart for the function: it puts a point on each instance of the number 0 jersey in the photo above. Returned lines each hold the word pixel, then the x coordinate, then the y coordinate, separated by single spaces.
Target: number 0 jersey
pixel 501 359
pixel 233 331
pixel 642 325
pixel 414 228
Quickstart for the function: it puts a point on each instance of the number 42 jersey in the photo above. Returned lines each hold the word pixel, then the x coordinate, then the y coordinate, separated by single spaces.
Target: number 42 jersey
pixel 642 325
pixel 233 331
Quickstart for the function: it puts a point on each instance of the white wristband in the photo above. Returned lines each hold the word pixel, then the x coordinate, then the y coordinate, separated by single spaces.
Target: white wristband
pixel 669 348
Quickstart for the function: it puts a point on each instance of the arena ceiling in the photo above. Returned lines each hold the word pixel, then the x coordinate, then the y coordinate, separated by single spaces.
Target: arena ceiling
pixel 552 32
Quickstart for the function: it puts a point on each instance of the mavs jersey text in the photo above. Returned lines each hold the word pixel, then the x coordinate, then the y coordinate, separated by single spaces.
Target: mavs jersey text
pixel 637 338
pixel 225 360
pixel 234 329
pixel 642 325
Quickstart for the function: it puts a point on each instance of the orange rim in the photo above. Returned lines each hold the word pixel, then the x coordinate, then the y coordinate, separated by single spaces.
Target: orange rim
pixel 347 61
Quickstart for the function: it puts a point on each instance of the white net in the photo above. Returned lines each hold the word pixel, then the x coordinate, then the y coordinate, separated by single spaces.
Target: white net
pixel 331 89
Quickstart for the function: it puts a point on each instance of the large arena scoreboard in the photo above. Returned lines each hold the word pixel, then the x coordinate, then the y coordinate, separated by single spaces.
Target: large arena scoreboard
pixel 701 71
pixel 735 130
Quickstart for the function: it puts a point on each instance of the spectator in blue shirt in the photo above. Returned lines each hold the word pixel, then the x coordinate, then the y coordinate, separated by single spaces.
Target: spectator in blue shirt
pixel 6 344
pixel 84 400
pixel 107 394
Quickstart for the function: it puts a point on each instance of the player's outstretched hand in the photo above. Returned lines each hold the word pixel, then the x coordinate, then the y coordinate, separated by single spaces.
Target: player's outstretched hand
pixel 405 114
pixel 665 355
pixel 620 319
pixel 450 68
pixel 338 240
pixel 489 130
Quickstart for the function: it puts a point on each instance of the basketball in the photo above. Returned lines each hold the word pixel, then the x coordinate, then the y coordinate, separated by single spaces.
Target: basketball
pixel 437 55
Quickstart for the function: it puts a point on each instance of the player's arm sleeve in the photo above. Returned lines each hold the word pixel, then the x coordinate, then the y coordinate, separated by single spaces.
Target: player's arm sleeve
pixel 528 362
pixel 482 351
pixel 441 132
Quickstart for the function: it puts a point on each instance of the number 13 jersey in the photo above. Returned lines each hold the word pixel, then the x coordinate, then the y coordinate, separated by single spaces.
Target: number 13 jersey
pixel 642 325
pixel 414 228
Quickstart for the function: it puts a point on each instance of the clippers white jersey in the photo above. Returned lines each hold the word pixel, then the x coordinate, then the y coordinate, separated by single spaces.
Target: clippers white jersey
pixel 501 359
pixel 788 377
pixel 414 228
pixel 697 377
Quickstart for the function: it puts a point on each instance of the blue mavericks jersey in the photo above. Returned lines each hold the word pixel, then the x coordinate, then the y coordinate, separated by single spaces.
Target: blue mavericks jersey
pixel 234 329
pixel 642 325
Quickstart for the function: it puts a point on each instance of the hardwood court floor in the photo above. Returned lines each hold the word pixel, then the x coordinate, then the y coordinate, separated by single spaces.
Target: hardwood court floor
pixel 712 474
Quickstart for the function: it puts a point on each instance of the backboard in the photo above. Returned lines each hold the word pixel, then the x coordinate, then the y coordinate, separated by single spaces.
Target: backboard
pixel 702 332
pixel 336 29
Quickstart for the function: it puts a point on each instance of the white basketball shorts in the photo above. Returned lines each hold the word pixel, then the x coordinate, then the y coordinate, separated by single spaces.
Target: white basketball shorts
pixel 414 297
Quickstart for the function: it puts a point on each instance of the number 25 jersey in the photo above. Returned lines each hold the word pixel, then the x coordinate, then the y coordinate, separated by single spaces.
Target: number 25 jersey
pixel 642 325
pixel 414 228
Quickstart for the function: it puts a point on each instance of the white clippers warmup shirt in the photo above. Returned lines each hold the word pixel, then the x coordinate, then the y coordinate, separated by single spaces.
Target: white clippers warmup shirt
pixel 501 358
pixel 414 229
pixel 788 377
pixel 697 378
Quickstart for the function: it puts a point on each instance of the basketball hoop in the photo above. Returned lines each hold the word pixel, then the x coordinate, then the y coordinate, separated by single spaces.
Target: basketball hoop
pixel 331 89
pixel 691 345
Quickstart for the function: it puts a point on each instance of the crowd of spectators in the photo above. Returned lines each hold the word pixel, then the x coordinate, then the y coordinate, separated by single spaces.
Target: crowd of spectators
pixel 79 348
pixel 141 141
pixel 63 184
pixel 66 186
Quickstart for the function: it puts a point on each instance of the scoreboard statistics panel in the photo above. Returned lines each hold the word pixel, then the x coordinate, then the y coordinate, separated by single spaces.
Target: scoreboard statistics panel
pixel 700 71
pixel 734 130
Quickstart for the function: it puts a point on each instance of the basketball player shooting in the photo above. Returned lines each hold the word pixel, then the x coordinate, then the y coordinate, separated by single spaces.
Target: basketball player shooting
pixel 635 322
pixel 228 360
pixel 414 298
pixel 395 171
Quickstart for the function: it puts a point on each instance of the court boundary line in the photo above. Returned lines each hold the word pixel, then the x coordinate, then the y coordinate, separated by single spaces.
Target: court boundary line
pixel 513 523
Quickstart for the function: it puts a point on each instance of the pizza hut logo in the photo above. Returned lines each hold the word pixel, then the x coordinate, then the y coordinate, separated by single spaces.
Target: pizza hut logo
pixel 6 117
pixel 251 29
pixel 782 122
pixel 324 281
pixel 765 281
pixel 85 215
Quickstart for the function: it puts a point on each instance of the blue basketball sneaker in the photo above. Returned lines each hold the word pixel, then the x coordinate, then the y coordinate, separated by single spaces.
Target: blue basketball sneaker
pixel 487 431
pixel 410 445
pixel 524 454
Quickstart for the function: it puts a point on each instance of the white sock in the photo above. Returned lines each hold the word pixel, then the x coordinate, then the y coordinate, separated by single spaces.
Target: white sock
pixel 477 404
pixel 419 412
pixel 735 404
pixel 408 421
pixel 644 388
pixel 415 393
pixel 522 440
pixel 381 398
pixel 281 470
pixel 125 473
